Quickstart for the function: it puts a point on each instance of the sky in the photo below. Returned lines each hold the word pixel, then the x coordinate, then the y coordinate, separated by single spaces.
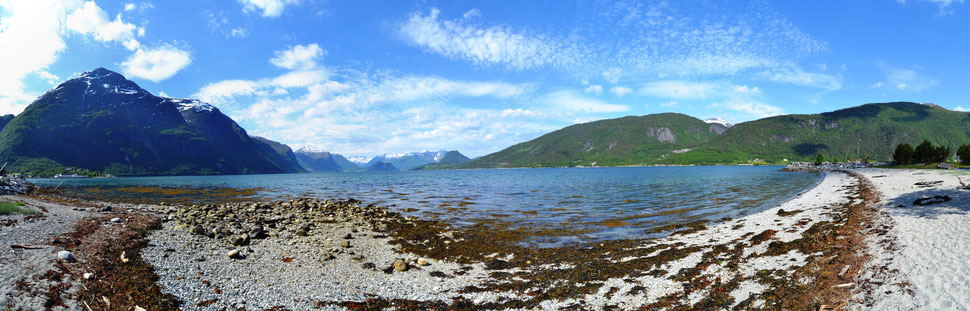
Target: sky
pixel 374 77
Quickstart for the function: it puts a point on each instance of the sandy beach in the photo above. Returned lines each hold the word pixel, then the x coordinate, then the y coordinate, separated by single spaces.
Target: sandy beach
pixel 837 243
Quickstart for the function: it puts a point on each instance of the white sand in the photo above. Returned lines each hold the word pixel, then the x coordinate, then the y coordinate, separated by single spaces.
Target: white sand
pixel 932 243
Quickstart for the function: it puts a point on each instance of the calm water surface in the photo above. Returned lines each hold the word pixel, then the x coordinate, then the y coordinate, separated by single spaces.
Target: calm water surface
pixel 609 202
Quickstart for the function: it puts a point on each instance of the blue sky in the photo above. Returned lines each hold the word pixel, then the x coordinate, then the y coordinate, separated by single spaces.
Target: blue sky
pixel 374 77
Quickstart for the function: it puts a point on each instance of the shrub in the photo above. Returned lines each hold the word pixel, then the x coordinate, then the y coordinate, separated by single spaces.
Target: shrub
pixel 819 159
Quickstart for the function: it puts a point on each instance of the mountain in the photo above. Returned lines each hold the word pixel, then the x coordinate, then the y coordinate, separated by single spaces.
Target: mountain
pixel 871 130
pixel 622 141
pixel 322 161
pixel 284 151
pixel 407 161
pixel 451 159
pixel 381 167
pixel 102 121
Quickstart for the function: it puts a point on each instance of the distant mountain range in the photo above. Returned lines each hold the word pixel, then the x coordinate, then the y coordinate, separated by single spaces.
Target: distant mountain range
pixel 104 122
pixel 871 130
pixel 322 161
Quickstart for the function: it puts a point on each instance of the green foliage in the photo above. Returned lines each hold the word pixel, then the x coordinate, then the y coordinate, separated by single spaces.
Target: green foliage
pixel 871 129
pixel 7 208
pixel 819 159
pixel 964 153
pixel 903 154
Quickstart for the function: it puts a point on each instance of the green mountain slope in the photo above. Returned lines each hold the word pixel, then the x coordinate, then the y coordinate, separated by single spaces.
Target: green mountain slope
pixel 623 141
pixel 101 121
pixel 871 130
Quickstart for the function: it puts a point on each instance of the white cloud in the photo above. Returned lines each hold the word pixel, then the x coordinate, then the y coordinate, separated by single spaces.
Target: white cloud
pixel 678 89
pixel 300 78
pixel 92 20
pixel 239 32
pixel 754 108
pixel 481 46
pixel 745 90
pixel 613 75
pixel 129 6
pixel 48 77
pixel 944 5
pixel 621 90
pixel 298 57
pixel 570 101
pixel 960 108
pixel 594 89
pixel 670 104
pixel 797 76
pixel 472 13
pixel 216 92
pixel 519 113
pixel 156 64
pixel 907 79
pixel 30 40
pixel 269 8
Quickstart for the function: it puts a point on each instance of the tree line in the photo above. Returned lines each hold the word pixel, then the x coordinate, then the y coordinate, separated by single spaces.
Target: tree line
pixel 926 152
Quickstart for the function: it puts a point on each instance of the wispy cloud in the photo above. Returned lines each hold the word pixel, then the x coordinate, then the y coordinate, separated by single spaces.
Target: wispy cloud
pixel 944 5
pixel 905 79
pixel 268 8
pixel 483 45
pixel 754 108
pixel 571 101
pixel 797 76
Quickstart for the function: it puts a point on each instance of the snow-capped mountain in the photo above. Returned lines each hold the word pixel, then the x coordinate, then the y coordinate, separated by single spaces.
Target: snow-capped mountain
pixel 359 159
pixel 718 121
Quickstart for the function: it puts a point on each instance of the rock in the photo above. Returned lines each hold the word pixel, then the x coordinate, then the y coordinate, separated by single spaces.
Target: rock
pixel 234 254
pixel 300 232
pixel 423 262
pixel 240 240
pixel 89 276
pixel 66 256
pixel 348 236
pixel 104 209
pixel 328 257
pixel 198 230
pixel 400 265
pixel 116 220
pixel 345 244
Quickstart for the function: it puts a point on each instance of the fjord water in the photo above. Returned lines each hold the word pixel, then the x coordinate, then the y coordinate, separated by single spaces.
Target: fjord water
pixel 604 202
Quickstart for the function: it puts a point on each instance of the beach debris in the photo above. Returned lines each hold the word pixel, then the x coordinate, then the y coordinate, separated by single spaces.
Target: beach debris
pixel 928 184
pixel 88 276
pixel 843 285
pixel 932 200
pixel 124 259
pixel 400 265
pixel 107 302
pixel 66 256
pixel 423 262
pixel 963 185
pixel 116 220
pixel 831 307
pixel 844 270
pixel 25 246
pixel 137 308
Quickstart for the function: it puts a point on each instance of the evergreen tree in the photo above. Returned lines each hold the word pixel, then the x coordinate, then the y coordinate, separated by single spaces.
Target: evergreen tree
pixel 903 154
pixel 819 159
pixel 924 153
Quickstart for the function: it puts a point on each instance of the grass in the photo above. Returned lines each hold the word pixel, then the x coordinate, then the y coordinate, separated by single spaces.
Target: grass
pixel 7 208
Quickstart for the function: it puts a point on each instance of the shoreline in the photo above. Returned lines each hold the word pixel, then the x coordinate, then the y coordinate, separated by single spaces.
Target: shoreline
pixel 694 267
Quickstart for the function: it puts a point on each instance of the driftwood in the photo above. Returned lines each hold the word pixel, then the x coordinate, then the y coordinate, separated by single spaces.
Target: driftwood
pixel 830 307
pixel 963 185
pixel 25 246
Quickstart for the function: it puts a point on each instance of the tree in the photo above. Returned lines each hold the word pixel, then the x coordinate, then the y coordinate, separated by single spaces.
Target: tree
pixel 819 159
pixel 964 153
pixel 941 154
pixel 924 153
pixel 903 154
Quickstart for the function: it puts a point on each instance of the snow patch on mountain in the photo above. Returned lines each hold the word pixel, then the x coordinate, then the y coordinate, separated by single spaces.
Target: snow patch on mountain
pixel 359 159
pixel 196 105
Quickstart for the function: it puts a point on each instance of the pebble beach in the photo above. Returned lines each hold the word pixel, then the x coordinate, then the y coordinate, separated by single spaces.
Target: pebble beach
pixel 856 239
